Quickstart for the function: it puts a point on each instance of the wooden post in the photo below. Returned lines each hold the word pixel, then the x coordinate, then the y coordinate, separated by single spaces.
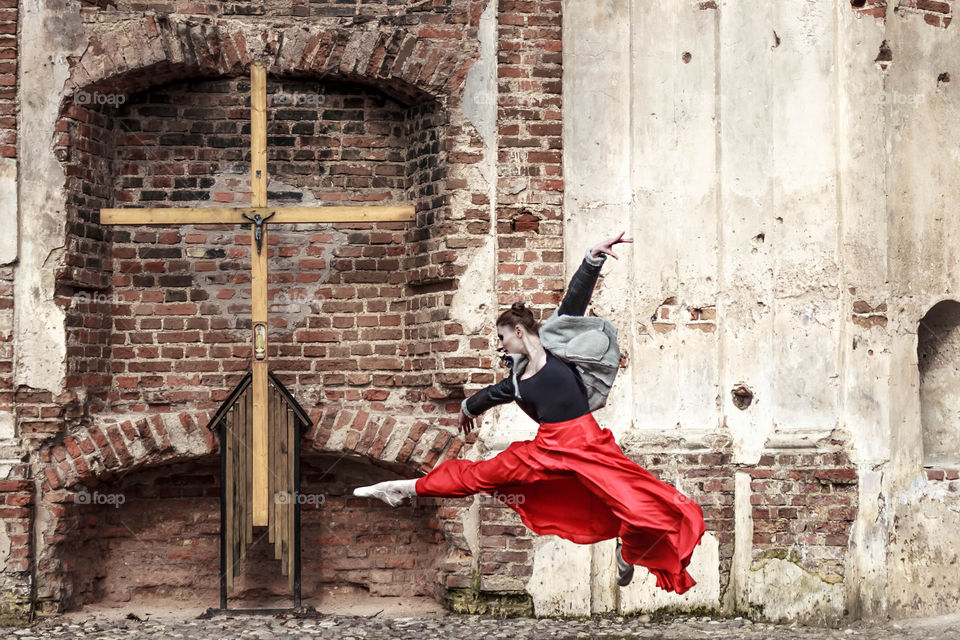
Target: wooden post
pixel 258 259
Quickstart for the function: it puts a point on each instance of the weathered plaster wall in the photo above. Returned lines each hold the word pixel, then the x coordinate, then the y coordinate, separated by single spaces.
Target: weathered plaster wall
pixel 792 192
pixel 923 209
pixel 39 321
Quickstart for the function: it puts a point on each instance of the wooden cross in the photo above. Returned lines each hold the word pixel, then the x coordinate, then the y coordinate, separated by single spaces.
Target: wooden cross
pixel 258 215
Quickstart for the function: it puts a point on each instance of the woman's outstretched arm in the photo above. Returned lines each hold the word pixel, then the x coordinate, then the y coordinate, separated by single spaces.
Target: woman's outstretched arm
pixel 488 397
pixel 579 292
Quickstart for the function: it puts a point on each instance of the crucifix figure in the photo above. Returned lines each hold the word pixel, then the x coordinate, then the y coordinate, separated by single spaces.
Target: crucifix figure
pixel 259 216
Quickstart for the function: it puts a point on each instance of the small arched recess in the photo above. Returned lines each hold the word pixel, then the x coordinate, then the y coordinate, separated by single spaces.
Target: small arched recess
pixel 938 358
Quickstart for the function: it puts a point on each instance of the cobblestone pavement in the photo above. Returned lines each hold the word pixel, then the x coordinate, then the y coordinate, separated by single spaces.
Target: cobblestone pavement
pixel 288 627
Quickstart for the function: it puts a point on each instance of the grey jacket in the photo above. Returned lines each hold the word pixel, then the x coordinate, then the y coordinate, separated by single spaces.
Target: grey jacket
pixel 589 343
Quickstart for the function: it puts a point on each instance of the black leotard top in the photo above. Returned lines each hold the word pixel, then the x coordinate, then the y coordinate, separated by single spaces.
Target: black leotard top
pixel 555 393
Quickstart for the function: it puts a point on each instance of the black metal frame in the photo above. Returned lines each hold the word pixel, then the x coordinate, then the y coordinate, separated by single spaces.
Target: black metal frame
pixel 301 420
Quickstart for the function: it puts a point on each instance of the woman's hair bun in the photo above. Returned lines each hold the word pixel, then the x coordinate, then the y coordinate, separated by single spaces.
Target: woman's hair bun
pixel 518 313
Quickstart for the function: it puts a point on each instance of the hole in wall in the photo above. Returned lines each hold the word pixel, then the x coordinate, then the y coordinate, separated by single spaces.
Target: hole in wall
pixel 742 397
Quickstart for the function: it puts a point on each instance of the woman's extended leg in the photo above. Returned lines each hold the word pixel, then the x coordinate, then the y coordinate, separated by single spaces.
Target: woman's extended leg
pixel 456 478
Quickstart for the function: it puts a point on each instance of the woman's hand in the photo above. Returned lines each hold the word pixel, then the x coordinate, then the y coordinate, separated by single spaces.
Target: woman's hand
pixel 466 424
pixel 607 245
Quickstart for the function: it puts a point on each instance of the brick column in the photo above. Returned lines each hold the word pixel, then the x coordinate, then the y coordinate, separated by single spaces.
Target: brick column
pixel 16 489
pixel 530 180
pixel 8 79
pixel 529 226
pixel 16 520
pixel 8 149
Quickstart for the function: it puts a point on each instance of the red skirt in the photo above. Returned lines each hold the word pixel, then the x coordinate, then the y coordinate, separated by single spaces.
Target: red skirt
pixel 573 481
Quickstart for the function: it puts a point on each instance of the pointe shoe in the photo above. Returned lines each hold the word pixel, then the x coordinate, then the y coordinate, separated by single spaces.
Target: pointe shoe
pixel 624 568
pixel 393 492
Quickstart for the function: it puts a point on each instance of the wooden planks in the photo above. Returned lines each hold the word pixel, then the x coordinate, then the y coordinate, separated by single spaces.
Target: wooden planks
pixel 279 433
pixel 229 445
pixel 235 542
pixel 273 459
pixel 282 443
pixel 292 443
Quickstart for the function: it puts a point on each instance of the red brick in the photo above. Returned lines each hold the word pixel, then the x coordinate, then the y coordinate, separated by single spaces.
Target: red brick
pixel 52 477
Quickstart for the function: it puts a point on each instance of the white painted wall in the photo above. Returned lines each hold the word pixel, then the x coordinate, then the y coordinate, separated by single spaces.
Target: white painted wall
pixel 767 165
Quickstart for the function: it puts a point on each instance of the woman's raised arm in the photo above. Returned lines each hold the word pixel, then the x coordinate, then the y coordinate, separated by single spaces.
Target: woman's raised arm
pixel 578 294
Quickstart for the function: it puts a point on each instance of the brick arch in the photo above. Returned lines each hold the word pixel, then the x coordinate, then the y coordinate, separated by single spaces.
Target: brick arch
pixel 409 62
pixel 112 451
pixel 385 440
pixel 100 452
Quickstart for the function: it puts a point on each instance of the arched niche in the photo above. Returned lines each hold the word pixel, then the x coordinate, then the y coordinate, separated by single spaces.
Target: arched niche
pixel 158 317
pixel 938 359
pixel 153 534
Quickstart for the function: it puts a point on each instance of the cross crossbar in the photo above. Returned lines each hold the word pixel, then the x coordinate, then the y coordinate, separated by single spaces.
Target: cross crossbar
pixel 282 215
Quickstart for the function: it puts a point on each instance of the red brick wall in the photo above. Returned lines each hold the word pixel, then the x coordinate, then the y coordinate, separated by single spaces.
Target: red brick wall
pixel 707 479
pixel 934 12
pixel 8 78
pixel 187 144
pixel 8 149
pixel 347 540
pixel 295 8
pixel 806 500
pixel 84 146
pixel 162 540
pixel 153 533
pixel 530 186
pixel 16 519
pixel 506 548
pixel 361 332
pixel 936 474
pixel 431 50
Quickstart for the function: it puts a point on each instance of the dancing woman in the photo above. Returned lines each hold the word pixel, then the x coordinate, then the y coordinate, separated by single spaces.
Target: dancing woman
pixel 571 480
